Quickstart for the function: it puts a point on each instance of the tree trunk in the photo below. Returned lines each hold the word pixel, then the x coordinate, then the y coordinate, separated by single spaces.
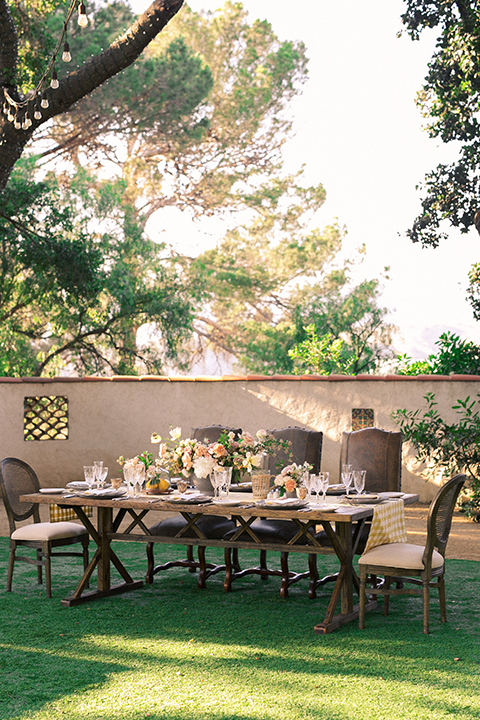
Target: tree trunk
pixel 79 83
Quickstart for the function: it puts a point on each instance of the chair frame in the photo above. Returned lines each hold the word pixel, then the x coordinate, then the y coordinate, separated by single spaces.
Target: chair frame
pixel 43 548
pixel 438 529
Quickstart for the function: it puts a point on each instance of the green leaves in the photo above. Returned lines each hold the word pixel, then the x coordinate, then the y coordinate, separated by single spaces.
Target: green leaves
pixel 455 356
pixel 448 447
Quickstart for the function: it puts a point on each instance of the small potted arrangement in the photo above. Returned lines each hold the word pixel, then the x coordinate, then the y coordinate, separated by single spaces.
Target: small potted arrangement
pixel 291 478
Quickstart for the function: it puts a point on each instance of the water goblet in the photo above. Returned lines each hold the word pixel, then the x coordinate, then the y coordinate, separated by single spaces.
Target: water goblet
pixel 217 478
pixel 129 475
pixel 359 480
pixel 89 473
pixel 227 474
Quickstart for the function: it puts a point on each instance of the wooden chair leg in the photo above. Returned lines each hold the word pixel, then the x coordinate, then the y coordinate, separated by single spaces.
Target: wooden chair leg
pixel 227 584
pixel 312 567
pixel 263 564
pixel 362 598
pixel 386 598
pixel 443 604
pixel 285 575
pixel 203 567
pixel 11 563
pixel 48 572
pixel 426 607
pixel 190 558
pixel 39 565
pixel 150 564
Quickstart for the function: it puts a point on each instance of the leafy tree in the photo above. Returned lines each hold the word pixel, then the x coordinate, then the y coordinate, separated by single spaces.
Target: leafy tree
pixel 450 99
pixel 78 278
pixel 455 356
pixel 25 44
pixel 450 447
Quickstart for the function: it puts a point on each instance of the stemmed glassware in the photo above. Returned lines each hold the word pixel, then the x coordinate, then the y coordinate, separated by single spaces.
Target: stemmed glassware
pixel 101 475
pixel 138 479
pixel 89 473
pixel 309 482
pixel 129 475
pixel 359 480
pixel 325 481
pixel 217 478
pixel 347 477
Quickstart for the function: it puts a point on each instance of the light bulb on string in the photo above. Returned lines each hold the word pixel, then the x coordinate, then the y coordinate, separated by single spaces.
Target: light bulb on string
pixel 54 81
pixel 27 123
pixel 10 115
pixel 37 114
pixel 17 125
pixel 82 15
pixel 66 57
pixel 44 102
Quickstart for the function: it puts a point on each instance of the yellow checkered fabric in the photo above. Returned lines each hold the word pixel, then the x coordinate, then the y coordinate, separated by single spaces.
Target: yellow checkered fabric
pixel 388 525
pixel 63 514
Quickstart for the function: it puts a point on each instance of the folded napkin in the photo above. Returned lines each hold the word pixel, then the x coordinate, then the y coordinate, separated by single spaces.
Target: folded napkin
pixel 388 525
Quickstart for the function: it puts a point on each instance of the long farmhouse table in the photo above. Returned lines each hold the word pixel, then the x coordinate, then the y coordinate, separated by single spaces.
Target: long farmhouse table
pixel 342 527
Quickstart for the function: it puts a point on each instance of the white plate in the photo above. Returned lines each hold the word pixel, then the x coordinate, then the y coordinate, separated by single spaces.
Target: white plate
pixel 78 485
pixel 51 491
pixel 391 494
pixel 365 499
pixel 328 507
pixel 227 502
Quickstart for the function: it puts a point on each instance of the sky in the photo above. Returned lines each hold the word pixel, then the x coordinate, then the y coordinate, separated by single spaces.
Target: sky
pixel 358 131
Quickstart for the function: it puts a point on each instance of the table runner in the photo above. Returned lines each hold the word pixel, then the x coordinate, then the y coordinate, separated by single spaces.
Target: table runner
pixel 388 524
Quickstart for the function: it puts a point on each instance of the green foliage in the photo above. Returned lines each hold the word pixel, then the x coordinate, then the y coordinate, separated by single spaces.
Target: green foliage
pixel 78 278
pixel 455 356
pixel 319 355
pixel 449 447
pixel 450 99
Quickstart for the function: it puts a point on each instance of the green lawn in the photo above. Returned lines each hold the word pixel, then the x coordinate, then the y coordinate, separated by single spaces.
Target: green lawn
pixel 172 651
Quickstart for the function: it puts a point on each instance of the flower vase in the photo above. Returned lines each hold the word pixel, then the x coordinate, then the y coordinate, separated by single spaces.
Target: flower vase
pixel 203 485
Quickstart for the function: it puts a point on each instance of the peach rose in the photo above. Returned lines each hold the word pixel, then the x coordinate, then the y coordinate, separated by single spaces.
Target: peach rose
pixel 290 485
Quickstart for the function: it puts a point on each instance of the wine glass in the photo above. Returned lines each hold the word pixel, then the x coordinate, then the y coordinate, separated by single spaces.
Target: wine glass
pixel 129 475
pixel 325 483
pixel 217 478
pixel 359 480
pixel 347 477
pixel 101 475
pixel 89 473
pixel 138 479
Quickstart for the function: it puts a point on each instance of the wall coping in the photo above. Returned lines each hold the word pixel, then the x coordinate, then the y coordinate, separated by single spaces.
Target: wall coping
pixel 244 378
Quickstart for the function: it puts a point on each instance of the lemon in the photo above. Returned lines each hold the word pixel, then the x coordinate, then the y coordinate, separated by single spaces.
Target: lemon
pixel 164 484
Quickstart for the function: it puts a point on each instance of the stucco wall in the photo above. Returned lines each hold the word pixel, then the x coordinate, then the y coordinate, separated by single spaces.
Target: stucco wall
pixel 109 417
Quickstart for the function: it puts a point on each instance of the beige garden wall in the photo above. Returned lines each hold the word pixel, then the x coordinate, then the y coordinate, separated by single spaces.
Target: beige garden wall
pixel 109 417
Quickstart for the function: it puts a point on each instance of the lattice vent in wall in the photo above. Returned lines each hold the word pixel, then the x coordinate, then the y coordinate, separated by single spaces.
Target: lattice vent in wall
pixel 362 418
pixel 45 417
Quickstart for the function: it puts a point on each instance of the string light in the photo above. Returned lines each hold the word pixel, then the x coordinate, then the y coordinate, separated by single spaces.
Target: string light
pixel 82 16
pixel 12 105
pixel 66 56
pixel 54 81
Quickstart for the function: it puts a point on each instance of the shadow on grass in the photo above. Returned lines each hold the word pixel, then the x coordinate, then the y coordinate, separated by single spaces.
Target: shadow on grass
pixel 247 641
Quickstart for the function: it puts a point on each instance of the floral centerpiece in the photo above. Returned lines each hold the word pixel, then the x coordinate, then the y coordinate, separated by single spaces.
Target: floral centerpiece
pixel 243 453
pixel 291 477
pixel 157 476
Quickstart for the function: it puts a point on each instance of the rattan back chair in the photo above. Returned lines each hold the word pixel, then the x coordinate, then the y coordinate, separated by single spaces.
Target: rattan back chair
pixel 16 479
pixel 413 564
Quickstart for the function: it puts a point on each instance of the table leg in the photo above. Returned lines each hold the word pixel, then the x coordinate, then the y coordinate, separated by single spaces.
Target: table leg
pixel 102 559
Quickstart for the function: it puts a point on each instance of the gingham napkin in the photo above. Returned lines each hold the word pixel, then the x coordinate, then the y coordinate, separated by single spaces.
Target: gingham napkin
pixel 388 525
pixel 62 514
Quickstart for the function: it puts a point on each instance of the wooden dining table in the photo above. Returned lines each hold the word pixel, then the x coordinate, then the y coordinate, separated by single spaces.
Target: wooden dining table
pixel 343 527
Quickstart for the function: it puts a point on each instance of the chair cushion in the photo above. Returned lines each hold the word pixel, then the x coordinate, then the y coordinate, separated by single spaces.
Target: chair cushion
pixel 212 527
pixel 270 531
pixel 399 555
pixel 48 531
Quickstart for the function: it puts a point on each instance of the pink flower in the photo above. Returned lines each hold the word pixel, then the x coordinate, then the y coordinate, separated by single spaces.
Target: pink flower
pixel 290 485
pixel 162 450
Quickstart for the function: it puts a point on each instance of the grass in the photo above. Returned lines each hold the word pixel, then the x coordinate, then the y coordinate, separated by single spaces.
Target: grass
pixel 172 651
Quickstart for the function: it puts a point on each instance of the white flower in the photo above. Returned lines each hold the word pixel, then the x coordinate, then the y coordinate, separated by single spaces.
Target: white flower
pixel 203 466
pixel 155 438
pixel 176 433
pixel 279 480
pixel 261 434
